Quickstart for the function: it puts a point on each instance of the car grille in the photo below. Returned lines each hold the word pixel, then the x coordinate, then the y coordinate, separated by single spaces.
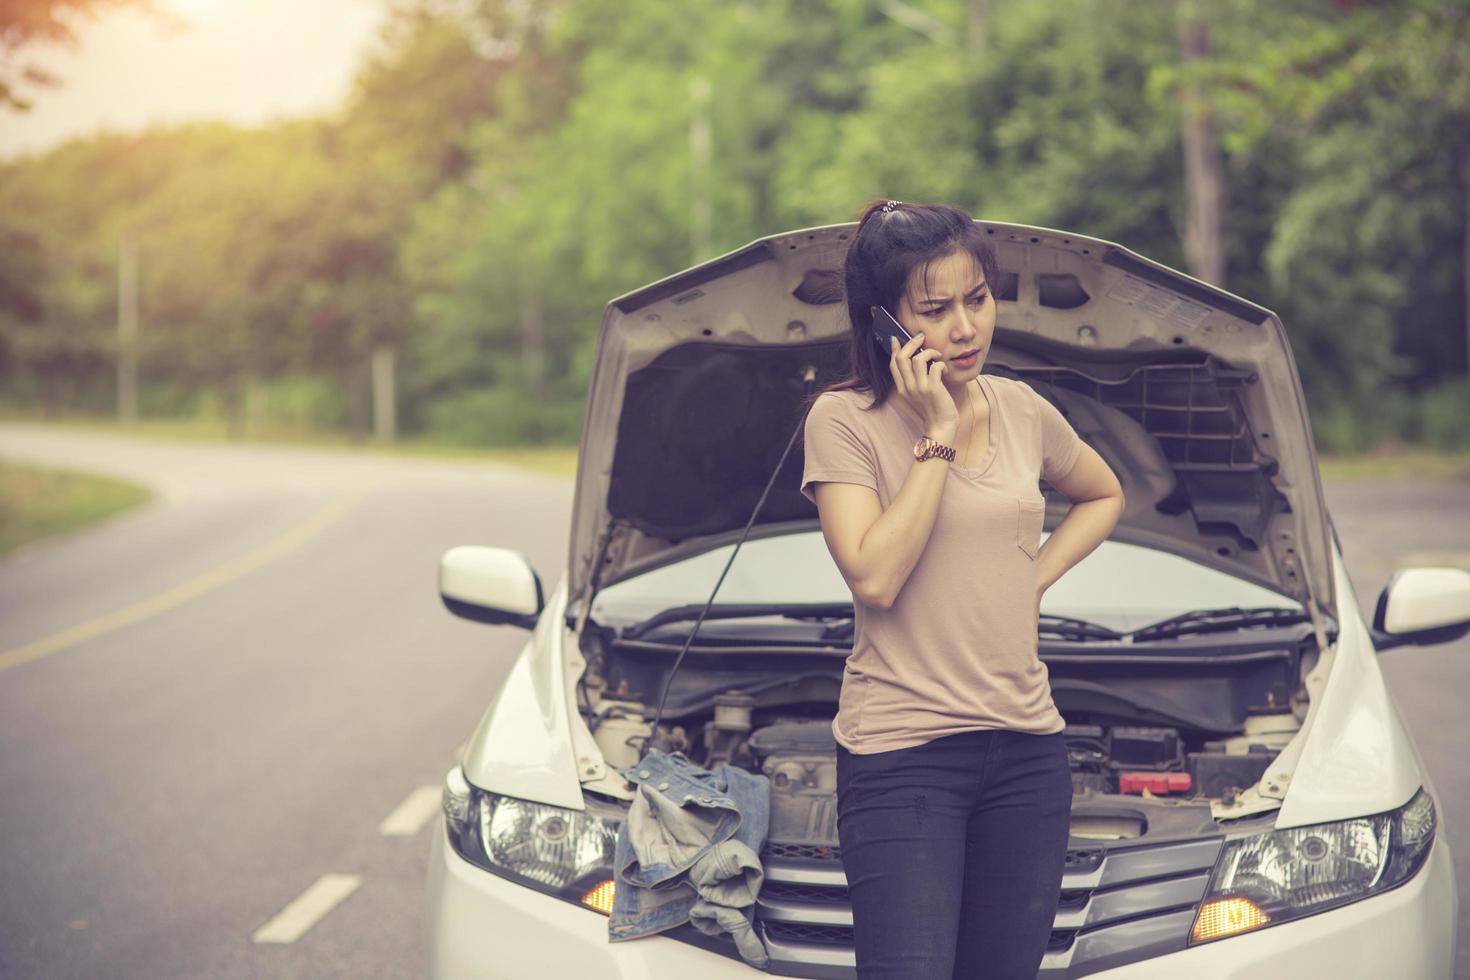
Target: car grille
pixel 1117 906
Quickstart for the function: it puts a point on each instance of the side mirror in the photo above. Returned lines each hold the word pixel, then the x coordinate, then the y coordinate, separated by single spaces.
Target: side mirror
pixel 490 585
pixel 1423 606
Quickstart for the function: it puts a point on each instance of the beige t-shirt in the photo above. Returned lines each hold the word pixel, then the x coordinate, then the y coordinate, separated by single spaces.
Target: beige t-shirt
pixel 957 651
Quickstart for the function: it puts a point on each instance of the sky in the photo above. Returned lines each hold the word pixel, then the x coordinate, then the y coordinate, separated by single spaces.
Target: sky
pixel 247 61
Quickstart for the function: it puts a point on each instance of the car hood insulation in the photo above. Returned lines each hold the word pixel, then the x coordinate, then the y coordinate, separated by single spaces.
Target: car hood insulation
pixel 1191 394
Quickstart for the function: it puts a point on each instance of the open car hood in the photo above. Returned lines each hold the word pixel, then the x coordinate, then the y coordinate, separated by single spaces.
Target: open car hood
pixel 1190 393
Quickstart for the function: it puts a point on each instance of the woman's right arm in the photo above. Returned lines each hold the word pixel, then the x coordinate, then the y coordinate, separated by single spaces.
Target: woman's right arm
pixel 877 549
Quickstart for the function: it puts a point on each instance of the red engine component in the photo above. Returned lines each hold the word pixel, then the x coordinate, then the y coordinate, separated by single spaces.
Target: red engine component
pixel 1158 783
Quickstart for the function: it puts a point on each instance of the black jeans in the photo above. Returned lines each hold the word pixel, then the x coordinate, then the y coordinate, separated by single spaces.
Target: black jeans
pixel 953 851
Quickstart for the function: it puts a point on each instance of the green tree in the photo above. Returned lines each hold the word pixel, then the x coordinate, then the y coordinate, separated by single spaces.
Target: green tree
pixel 404 134
pixel 1368 255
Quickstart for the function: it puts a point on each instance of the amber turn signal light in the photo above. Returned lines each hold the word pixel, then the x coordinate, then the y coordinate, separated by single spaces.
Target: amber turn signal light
pixel 1226 917
pixel 600 898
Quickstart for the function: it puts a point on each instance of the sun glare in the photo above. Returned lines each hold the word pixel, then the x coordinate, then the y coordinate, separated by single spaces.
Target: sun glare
pixel 199 9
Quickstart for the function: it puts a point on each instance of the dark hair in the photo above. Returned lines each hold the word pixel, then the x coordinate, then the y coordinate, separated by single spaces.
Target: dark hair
pixel 888 246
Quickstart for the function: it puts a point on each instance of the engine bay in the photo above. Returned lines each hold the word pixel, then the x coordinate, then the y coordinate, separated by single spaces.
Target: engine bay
pixel 1152 740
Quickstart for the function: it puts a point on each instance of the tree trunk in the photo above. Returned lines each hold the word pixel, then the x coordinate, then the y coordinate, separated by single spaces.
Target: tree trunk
pixel 533 344
pixel 127 329
pixel 1204 178
pixel 1465 258
pixel 701 207
pixel 355 392
pixel 234 391
pixel 50 394
pixel 979 25
pixel 257 411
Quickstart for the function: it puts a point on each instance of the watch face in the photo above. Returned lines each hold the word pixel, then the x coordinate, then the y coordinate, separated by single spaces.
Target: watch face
pixel 920 446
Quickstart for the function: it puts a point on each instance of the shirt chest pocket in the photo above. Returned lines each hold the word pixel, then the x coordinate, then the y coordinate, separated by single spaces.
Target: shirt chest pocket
pixel 1030 515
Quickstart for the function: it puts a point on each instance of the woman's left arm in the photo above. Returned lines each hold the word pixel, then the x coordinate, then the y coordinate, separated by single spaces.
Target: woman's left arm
pixel 1097 503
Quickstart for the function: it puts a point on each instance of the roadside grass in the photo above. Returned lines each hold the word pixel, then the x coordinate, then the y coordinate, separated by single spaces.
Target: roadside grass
pixel 555 460
pixel 37 503
pixel 1395 461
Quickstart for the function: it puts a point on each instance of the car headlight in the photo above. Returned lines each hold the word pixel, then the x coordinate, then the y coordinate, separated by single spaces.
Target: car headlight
pixel 566 853
pixel 1286 874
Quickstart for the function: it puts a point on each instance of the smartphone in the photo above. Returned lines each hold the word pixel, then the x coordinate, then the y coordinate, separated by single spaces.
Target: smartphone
pixel 885 326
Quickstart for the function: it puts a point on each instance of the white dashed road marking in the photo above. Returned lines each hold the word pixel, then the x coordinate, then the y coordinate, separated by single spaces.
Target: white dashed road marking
pixel 411 815
pixel 293 921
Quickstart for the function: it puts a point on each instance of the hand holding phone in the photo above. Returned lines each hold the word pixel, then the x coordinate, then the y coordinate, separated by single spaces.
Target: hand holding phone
pixel 918 377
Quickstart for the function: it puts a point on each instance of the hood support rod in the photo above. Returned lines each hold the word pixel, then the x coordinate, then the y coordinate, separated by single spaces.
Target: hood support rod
pixel 584 608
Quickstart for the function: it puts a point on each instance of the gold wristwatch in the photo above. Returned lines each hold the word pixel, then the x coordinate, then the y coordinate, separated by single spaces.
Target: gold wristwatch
pixel 927 447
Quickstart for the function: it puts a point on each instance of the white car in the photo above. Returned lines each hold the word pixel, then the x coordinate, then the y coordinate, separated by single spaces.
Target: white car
pixel 1248 802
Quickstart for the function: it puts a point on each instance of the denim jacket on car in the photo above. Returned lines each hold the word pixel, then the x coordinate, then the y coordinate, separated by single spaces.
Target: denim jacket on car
pixel 689 851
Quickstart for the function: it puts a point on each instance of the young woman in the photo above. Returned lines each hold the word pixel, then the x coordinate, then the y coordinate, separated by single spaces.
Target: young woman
pixel 953 787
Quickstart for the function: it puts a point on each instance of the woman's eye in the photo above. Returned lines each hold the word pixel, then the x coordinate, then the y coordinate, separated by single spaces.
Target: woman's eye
pixel 977 300
pixel 934 312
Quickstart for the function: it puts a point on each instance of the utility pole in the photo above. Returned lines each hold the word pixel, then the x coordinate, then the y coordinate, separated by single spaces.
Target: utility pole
pixel 127 327
pixel 385 400
pixel 701 211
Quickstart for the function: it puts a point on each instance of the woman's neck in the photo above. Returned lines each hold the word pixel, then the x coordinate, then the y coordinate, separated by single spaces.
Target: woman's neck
pixel 963 396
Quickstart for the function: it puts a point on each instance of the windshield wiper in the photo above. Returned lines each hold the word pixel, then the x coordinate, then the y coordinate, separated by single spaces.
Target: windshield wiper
pixel 1075 629
pixel 738 610
pixel 1064 626
pixel 1218 621
pixel 843 629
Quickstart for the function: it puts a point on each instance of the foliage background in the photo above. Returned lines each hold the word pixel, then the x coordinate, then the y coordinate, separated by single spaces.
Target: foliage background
pixel 505 168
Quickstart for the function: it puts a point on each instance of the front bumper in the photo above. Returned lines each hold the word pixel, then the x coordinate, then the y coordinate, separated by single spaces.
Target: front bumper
pixel 481 925
pixel 1407 933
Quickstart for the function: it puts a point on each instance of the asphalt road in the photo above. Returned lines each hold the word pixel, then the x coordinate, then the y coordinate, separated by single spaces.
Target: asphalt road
pixel 212 703
pixel 285 681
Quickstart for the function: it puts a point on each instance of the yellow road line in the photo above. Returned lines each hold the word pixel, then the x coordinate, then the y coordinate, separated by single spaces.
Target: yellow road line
pixel 180 594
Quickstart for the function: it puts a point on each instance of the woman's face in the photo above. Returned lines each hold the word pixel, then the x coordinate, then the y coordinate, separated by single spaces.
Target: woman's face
pixel 956 314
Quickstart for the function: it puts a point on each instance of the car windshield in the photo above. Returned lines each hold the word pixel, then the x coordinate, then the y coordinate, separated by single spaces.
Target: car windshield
pixel 1120 586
